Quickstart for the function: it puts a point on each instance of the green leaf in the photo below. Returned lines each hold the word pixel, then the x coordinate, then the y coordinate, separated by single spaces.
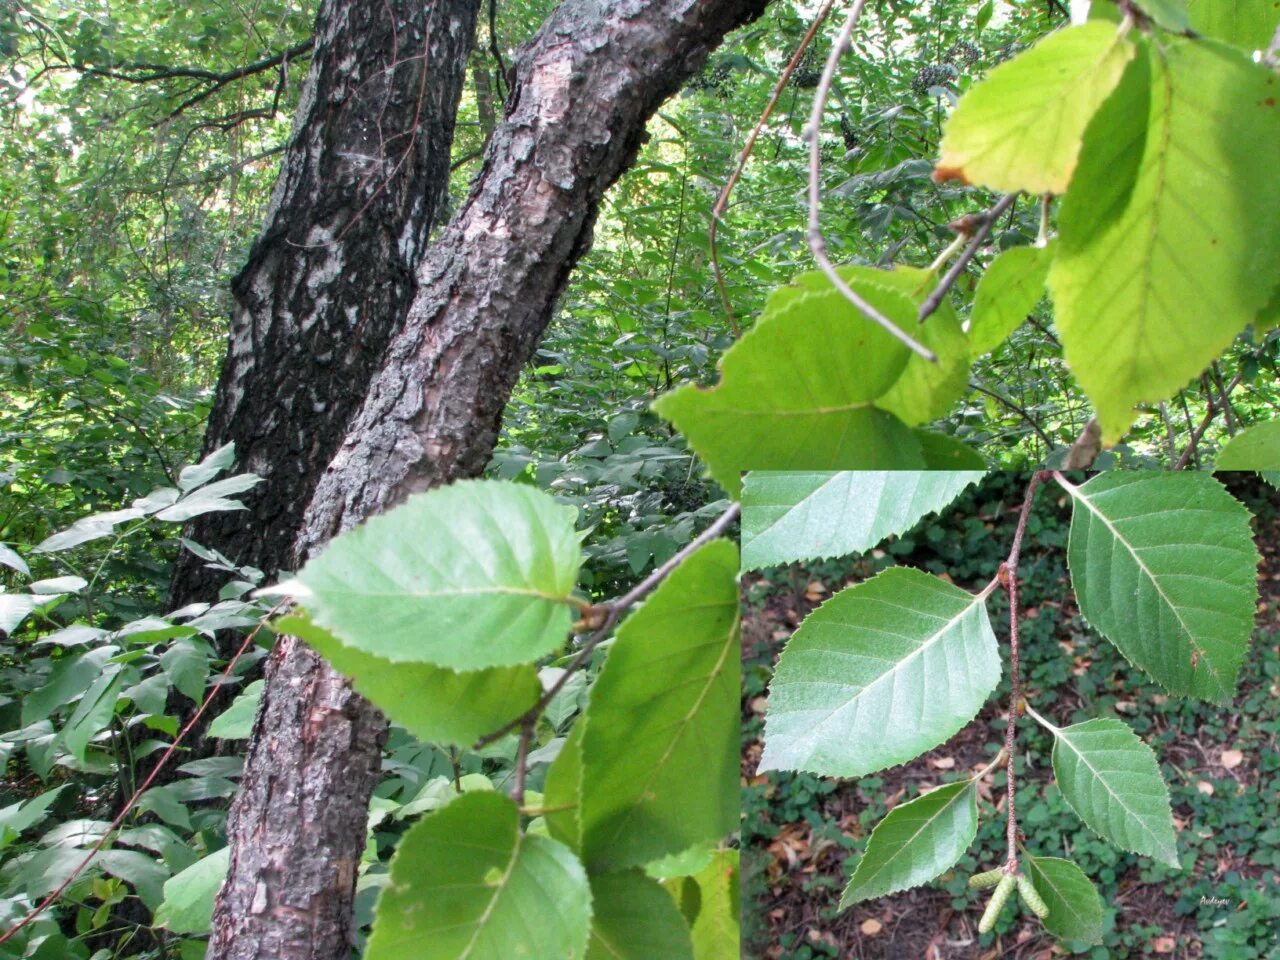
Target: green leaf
pixel 476 574
pixel 189 895
pixel 1021 127
pixel 70 678
pixel 208 468
pixel 1008 291
pixel 809 516
pixel 466 883
pixel 1111 779
pixel 878 674
pixel 942 452
pixel 20 816
pixel 664 715
pixel 1246 23
pixel 236 722
pixel 799 390
pixel 633 918
pixel 1164 566
pixel 93 713
pixel 561 791
pixel 1075 909
pixel 435 704
pixel 916 842
pixel 9 558
pixel 211 499
pixel 715 929
pixel 1257 448
pixel 1152 282
pixel 1169 14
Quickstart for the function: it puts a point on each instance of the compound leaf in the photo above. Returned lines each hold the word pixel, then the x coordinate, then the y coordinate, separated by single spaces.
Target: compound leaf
pixel 1164 566
pixel 881 672
pixel 663 716
pixel 476 574
pixel 1157 273
pixel 916 842
pixel 1112 781
pixel 465 882
pixel 1075 909
pixel 1021 127
pixel 808 516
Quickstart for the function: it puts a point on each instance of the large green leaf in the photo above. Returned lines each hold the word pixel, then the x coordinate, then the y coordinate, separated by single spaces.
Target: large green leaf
pixel 799 390
pixel 1164 566
pixel 1075 909
pixel 715 928
pixel 878 674
pixel 1246 23
pixel 476 574
pixel 915 842
pixel 1257 448
pixel 465 883
pixel 1008 291
pixel 808 516
pixel 633 918
pixel 1157 274
pixel 660 751
pixel 189 895
pixel 1020 128
pixel 1112 781
pixel 435 704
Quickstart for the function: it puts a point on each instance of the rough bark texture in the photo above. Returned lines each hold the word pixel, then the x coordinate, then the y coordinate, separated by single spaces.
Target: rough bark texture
pixel 333 271
pixel 584 90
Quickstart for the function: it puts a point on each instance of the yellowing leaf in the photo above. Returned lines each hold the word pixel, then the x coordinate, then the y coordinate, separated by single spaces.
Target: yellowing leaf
pixel 1021 127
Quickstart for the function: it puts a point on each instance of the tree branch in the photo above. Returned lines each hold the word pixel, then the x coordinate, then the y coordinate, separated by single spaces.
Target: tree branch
pixel 986 222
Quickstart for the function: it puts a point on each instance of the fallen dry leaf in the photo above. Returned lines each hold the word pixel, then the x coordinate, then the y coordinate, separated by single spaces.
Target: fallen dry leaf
pixel 1205 787
pixel 870 927
pixel 942 763
pixel 1163 944
pixel 1232 759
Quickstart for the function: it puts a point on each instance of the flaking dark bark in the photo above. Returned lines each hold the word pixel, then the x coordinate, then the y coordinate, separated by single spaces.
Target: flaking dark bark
pixel 331 275
pixel 585 88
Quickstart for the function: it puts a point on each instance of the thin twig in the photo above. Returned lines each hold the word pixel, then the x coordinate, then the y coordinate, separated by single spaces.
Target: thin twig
pixel 817 244
pixel 723 202
pixel 1210 413
pixel 1016 408
pixel 1227 409
pixel 146 784
pixel 987 221
pixel 522 761
pixel 610 613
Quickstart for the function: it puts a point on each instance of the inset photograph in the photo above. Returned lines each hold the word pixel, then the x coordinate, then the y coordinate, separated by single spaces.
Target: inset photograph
pixel 1010 714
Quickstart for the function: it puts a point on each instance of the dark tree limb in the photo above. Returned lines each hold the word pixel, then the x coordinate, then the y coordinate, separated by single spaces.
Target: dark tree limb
pixel 584 89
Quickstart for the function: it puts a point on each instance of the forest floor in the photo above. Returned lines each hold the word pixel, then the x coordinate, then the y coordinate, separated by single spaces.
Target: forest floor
pixel 798 830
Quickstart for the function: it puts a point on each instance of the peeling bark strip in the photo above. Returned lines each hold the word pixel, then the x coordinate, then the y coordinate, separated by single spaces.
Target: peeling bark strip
pixel 332 273
pixel 585 88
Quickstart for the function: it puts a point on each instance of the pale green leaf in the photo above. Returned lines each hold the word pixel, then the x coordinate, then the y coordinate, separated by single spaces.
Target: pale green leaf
pixel 1257 448
pixel 22 815
pixel 1075 909
pixel 799 390
pixel 809 516
pixel 1021 127
pixel 880 673
pixel 9 558
pixel 435 704
pixel 1164 566
pixel 1169 14
pixel 188 896
pixel 55 585
pixel 663 717
pixel 208 468
pixel 1167 247
pixel 633 918
pixel 1008 291
pixel 476 574
pixel 1111 779
pixel 14 608
pixel 211 499
pixel 466 883
pixel 236 722
pixel 1247 23
pixel 715 928
pixel 916 842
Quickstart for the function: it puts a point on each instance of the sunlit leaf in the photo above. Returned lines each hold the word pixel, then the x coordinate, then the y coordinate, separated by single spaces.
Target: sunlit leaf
pixel 1257 448
pixel 1008 291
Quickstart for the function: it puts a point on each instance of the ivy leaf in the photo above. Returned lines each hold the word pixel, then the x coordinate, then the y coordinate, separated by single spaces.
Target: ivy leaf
pixel 715 928
pixel 1249 24
pixel 1257 448
pixel 810 516
pixel 1153 282
pixel 1008 291
pixel 799 391
pixel 1111 779
pixel 916 842
pixel 878 674
pixel 635 919
pixel 1021 127
pixel 1164 566
pixel 1075 909
pixel 466 883
pixel 664 714
pixel 476 574
pixel 435 704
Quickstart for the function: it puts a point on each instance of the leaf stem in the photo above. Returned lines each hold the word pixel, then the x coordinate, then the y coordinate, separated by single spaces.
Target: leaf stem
pixel 934 300
pixel 1043 722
